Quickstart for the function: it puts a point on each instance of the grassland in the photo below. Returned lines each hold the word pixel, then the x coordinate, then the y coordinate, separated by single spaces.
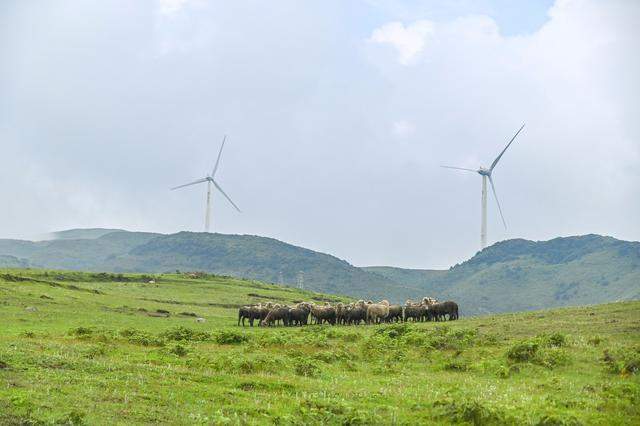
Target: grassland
pixel 99 349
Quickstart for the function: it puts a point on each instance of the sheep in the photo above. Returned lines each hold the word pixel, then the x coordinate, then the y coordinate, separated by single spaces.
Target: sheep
pixel 341 309
pixel 244 312
pixel 395 314
pixel 377 312
pixel 278 313
pixel 299 315
pixel 323 314
pixel 440 311
pixel 355 314
pixel 414 312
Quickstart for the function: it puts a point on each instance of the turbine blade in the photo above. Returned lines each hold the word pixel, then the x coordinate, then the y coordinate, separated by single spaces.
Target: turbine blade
pixel 215 168
pixel 460 168
pixel 190 183
pixel 505 148
pixel 225 195
pixel 493 188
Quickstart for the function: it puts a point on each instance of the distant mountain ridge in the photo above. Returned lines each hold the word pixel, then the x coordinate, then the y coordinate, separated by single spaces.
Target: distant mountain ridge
pixel 511 275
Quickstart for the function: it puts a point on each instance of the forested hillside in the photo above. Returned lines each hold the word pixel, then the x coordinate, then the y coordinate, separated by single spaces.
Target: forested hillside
pixel 512 275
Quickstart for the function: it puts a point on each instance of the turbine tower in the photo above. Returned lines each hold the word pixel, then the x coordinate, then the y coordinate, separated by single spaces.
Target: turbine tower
pixel 486 175
pixel 210 181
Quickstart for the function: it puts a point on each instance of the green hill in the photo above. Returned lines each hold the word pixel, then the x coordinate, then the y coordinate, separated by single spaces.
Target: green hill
pixel 243 256
pixel 95 348
pixel 517 275
pixel 509 276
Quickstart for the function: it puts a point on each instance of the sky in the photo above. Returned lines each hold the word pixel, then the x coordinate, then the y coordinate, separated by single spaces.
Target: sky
pixel 338 115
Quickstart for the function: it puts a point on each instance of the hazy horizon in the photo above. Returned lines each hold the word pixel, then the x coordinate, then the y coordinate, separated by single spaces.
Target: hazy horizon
pixel 338 116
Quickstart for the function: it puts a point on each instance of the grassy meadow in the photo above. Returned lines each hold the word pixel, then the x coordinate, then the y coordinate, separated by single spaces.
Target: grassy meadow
pixel 83 348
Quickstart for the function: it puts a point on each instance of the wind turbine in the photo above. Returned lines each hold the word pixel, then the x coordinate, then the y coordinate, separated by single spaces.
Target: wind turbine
pixel 210 181
pixel 486 174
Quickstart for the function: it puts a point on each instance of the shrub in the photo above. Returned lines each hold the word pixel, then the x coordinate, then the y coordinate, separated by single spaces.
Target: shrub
pixel 556 340
pixel 181 333
pixel 554 420
pixel 393 331
pixel 304 367
pixel 543 350
pixel 552 357
pixel 625 361
pixel 140 337
pixel 178 349
pixel 474 412
pixel 456 365
pixel 81 331
pixel 72 418
pixel 523 351
pixel 230 337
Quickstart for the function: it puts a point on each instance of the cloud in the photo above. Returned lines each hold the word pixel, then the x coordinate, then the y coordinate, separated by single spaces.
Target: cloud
pixel 409 41
pixel 170 7
pixel 97 125
pixel 403 128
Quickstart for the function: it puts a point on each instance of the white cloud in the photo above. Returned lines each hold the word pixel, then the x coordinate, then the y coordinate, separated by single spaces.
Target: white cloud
pixel 171 7
pixel 403 128
pixel 409 41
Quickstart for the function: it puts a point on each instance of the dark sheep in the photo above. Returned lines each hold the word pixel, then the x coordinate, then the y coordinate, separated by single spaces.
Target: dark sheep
pixel 275 315
pixel 440 311
pixel 299 315
pixel 356 315
pixel 414 312
pixel 395 314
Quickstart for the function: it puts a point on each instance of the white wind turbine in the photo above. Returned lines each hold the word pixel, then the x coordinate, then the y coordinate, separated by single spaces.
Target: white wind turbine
pixel 210 180
pixel 486 174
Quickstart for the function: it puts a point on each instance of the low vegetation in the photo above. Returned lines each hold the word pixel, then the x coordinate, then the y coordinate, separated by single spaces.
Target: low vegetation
pixel 80 348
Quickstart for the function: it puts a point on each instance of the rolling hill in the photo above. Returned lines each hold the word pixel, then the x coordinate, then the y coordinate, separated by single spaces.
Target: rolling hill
pixel 512 275
pixel 244 256
pixel 517 275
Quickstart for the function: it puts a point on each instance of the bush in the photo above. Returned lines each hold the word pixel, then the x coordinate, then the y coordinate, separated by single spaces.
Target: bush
pixel 555 340
pixel 230 337
pixel 393 331
pixel 553 420
pixel 178 349
pixel 304 367
pixel 140 337
pixel 72 418
pixel 456 365
pixel 81 331
pixel 181 333
pixel 625 361
pixel 552 358
pixel 523 351
pixel 544 350
pixel 474 412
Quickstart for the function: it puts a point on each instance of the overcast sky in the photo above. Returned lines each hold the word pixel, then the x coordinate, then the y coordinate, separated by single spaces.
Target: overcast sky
pixel 339 114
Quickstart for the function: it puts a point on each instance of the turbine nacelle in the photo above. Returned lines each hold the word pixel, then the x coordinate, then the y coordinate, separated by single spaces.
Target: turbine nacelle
pixel 484 172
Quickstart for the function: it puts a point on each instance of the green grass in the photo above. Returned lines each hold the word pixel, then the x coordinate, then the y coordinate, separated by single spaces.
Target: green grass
pixel 83 348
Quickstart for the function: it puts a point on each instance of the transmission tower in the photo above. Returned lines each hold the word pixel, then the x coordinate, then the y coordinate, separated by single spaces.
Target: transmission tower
pixel 301 280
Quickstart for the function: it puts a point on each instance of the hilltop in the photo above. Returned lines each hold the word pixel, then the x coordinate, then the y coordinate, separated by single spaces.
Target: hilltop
pixel 99 348
pixel 508 276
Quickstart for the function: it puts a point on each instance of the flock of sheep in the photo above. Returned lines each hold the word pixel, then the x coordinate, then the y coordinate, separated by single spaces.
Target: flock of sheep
pixel 271 314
